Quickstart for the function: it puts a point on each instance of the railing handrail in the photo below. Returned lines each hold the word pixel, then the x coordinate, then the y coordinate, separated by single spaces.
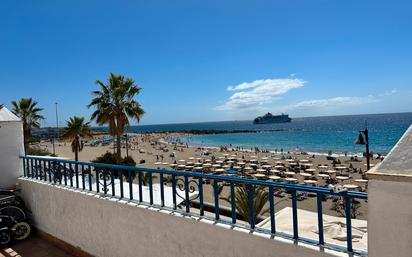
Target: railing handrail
pixel 234 179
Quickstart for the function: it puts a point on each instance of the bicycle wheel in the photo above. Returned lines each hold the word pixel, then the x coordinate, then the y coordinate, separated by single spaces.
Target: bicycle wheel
pixel 15 212
pixel 5 237
pixel 21 230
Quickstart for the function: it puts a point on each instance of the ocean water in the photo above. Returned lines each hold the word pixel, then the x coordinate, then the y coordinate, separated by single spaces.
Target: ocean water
pixel 312 134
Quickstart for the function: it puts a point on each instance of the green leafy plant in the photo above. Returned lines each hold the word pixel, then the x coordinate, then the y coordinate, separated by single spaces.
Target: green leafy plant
pixel 111 158
pixel 260 198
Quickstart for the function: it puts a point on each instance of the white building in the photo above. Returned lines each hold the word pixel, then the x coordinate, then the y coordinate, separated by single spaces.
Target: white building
pixel 12 146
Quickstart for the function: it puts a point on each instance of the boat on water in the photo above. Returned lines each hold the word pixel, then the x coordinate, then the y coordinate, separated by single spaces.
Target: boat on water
pixel 269 118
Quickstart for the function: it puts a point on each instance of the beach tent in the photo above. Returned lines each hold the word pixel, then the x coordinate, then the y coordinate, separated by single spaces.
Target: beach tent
pixel 11 147
pixel 334 227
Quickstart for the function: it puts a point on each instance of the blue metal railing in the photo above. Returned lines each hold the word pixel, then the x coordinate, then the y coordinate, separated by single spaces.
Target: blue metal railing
pixel 69 173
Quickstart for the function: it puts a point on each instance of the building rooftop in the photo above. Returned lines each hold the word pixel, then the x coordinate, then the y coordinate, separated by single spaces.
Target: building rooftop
pixel 6 115
pixel 399 160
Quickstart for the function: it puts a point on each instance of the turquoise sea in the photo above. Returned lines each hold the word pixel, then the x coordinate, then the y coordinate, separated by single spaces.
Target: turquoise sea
pixel 312 134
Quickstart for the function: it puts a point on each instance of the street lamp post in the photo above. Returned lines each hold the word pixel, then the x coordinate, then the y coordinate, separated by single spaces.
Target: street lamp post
pixel 54 132
pixel 57 122
pixel 364 141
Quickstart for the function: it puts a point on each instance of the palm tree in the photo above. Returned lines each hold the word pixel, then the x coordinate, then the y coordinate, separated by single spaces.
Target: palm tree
pixel 75 130
pixel 26 109
pixel 260 199
pixel 115 104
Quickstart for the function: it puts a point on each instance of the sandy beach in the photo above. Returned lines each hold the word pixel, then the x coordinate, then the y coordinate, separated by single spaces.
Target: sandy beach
pixel 154 150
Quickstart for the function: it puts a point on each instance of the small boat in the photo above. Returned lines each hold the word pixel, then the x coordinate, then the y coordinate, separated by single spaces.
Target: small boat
pixel 269 118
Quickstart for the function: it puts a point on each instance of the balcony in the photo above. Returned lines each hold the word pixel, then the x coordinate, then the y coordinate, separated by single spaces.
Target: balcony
pixel 182 194
pixel 107 210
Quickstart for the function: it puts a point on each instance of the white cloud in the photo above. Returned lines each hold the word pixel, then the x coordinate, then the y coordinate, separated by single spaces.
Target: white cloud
pixel 389 93
pixel 336 101
pixel 256 94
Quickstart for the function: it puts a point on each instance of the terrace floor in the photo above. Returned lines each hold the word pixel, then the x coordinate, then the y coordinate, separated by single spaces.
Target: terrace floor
pixel 33 247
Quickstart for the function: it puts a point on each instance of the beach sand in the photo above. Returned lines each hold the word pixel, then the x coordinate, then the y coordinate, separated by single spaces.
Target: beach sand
pixel 152 147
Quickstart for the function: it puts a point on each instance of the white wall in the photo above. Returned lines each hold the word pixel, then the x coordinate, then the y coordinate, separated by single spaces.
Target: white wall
pixel 106 228
pixel 389 219
pixel 11 147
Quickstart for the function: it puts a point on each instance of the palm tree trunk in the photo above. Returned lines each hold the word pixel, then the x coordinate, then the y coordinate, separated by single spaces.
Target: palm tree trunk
pixel 76 154
pixel 26 138
pixel 118 146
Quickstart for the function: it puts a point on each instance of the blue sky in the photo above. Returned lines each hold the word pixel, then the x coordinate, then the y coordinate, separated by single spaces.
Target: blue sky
pixel 210 60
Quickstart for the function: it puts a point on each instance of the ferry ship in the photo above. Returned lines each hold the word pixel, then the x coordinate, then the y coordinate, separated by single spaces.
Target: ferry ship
pixel 269 118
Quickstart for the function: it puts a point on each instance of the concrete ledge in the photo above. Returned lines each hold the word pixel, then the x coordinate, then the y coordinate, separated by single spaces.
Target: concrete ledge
pixel 389 177
pixel 103 226
pixel 399 160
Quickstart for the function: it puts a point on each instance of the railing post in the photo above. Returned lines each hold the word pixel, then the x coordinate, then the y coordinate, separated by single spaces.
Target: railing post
pixel 50 171
pixel 71 174
pixel 150 188
pixel 201 207
pixel 233 202
pixel 65 173
pixel 187 201
pixel 216 195
pixel 272 211
pixel 45 170
pixel 121 183
pixel 174 191
pixel 162 191
pixel 97 180
pixel 140 187
pixel 24 166
pixel 31 168
pixel 295 215
pixel 129 174
pixel 105 190
pixel 90 177
pixel 83 180
pixel 348 221
pixel 37 169
pixel 251 207
pixel 76 171
pixel 320 218
pixel 112 181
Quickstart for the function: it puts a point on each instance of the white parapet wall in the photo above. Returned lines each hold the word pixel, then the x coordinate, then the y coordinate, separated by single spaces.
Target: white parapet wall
pixel 11 147
pixel 106 228
pixel 390 203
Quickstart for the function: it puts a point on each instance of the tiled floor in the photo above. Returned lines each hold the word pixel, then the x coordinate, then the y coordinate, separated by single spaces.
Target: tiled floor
pixel 33 247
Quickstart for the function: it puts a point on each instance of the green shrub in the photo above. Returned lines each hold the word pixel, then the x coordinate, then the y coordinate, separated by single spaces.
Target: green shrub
pixel 110 158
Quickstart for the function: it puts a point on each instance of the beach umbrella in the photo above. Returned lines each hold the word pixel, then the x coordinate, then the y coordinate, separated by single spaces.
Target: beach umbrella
pixel 259 176
pixel 273 177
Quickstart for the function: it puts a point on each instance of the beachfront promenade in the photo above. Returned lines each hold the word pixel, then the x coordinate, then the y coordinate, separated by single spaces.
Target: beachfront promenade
pixel 70 203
